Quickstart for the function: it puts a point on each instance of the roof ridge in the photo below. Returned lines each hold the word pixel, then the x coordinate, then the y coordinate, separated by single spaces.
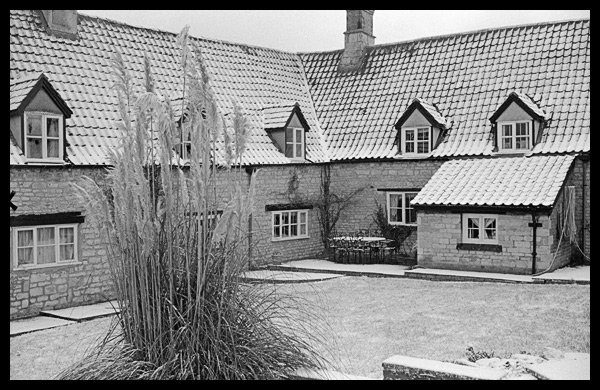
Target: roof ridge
pixel 459 34
pixel 116 22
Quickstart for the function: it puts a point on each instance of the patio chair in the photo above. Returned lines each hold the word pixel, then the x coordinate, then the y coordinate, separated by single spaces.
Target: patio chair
pixel 387 249
pixel 358 249
pixel 374 252
pixel 343 251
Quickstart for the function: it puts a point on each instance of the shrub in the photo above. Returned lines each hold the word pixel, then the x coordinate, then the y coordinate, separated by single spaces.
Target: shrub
pixel 473 355
pixel 183 312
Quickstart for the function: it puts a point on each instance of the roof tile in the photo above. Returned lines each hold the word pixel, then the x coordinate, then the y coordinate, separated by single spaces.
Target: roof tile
pixel 519 181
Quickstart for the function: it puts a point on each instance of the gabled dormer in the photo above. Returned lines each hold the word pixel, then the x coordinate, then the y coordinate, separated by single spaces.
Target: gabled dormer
pixel 517 124
pixel 420 129
pixel 38 119
pixel 286 126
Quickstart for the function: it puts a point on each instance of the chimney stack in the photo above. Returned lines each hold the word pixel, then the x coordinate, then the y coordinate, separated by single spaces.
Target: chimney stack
pixel 358 35
pixel 60 22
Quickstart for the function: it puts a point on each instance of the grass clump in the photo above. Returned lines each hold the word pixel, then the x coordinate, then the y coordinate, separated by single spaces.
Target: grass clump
pixel 175 266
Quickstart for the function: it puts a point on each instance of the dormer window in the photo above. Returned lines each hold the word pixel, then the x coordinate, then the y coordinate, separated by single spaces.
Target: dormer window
pixel 43 136
pixel 517 124
pixel 420 129
pixel 294 142
pixel 286 126
pixel 37 119
pixel 515 136
pixel 416 140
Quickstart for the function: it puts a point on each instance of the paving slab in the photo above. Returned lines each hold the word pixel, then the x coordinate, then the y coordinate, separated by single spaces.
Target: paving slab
pixel 83 313
pixel 316 265
pixel 411 368
pixel 286 276
pixel 27 325
pixel 579 275
pixel 454 275
pixel 307 374
pixel 572 367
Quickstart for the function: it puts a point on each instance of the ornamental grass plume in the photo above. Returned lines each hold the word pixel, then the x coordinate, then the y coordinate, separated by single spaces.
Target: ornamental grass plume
pixel 176 266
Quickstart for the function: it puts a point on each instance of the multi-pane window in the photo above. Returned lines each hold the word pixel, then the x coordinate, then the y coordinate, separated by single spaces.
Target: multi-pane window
pixel 480 228
pixel 294 142
pixel 515 136
pixel 185 146
pixel 416 140
pixel 290 224
pixel 399 208
pixel 43 136
pixel 45 245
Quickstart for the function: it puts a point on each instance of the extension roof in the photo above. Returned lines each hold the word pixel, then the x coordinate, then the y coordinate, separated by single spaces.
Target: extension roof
pixel 499 181
pixel 466 77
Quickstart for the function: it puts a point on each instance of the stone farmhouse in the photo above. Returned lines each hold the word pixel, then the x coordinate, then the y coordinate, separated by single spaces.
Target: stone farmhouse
pixel 479 141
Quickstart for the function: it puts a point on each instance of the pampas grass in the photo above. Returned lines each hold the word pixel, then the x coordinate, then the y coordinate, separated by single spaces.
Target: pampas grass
pixel 183 312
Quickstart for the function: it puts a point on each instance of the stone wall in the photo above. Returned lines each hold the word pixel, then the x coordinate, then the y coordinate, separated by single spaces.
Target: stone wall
pixel 576 179
pixel 440 232
pixel 273 188
pixel 371 178
pixel 43 190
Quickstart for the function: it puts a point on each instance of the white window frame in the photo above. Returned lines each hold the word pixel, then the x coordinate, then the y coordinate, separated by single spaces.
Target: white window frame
pixel 481 239
pixel 58 262
pixel 293 141
pixel 404 208
pixel 289 225
pixel 513 136
pixel 415 141
pixel 44 136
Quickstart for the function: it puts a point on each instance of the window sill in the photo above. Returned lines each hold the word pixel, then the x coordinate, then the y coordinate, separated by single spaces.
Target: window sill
pixel 416 156
pixel 44 162
pixel 289 238
pixel 45 266
pixel 479 247
pixel 402 224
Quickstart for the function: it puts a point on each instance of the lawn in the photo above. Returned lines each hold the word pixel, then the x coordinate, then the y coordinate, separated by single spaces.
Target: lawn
pixel 366 320
pixel 371 319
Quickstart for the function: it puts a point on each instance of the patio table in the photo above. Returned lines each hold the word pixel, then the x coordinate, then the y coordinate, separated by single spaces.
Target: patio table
pixel 365 239
pixel 358 250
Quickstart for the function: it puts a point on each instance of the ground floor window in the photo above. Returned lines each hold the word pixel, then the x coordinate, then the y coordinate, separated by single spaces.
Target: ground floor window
pixel 290 224
pixel 480 228
pixel 399 209
pixel 38 246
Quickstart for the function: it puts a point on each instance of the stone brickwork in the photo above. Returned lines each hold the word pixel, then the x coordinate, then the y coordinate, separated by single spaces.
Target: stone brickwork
pixel 440 232
pixel 576 179
pixel 371 176
pixel 273 188
pixel 43 190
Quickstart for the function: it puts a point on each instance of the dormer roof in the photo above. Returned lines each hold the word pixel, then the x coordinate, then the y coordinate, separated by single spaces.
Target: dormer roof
pixel 428 110
pixel 24 89
pixel 278 116
pixel 523 101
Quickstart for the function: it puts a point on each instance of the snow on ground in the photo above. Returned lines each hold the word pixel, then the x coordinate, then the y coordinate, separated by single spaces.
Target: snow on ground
pixel 568 273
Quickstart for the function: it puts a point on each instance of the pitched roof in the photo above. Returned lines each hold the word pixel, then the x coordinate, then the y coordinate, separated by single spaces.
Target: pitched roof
pixel 429 110
pixel 467 76
pixel 503 181
pixel 81 72
pixel 522 100
pixel 22 90
pixel 277 116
